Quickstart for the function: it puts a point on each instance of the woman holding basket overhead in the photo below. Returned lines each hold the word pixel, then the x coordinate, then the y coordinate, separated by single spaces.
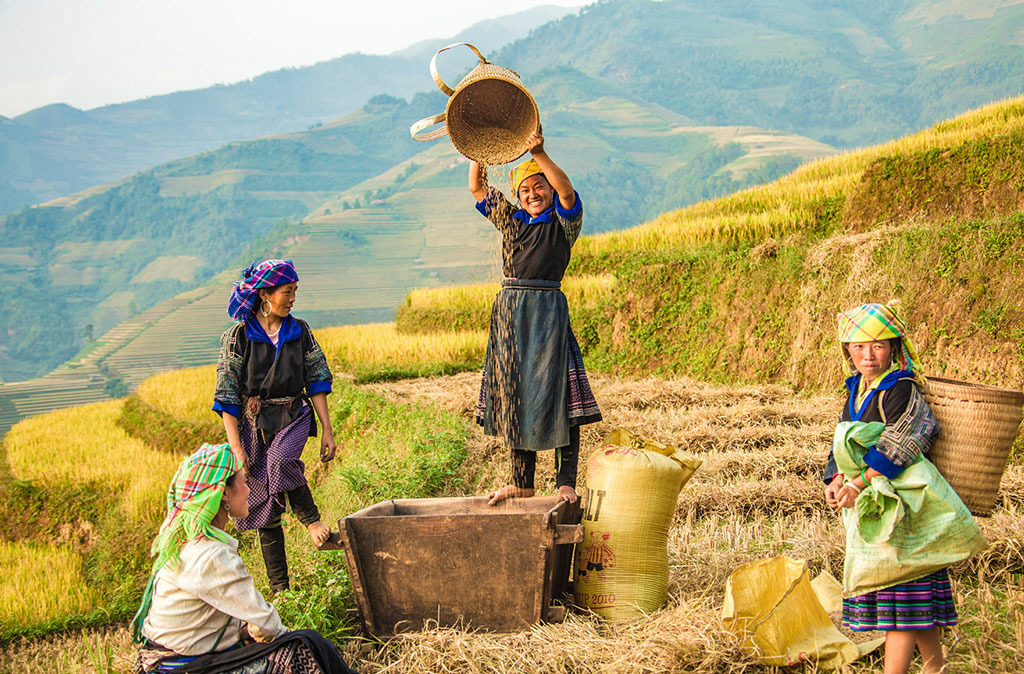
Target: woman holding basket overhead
pixel 905 525
pixel 534 391
pixel 271 378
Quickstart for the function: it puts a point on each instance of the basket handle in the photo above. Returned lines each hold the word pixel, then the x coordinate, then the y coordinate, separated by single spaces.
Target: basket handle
pixel 448 91
pixel 426 122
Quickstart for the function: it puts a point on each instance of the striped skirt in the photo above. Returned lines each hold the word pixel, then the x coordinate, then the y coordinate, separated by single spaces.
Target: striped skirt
pixel 918 605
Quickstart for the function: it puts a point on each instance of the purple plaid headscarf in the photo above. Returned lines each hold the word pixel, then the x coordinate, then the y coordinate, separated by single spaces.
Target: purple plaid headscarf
pixel 266 274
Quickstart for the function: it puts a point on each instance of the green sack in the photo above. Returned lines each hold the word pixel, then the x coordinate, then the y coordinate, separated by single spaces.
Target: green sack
pixel 900 529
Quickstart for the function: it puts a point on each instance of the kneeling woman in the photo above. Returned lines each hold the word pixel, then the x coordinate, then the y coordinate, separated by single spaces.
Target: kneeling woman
pixel 201 611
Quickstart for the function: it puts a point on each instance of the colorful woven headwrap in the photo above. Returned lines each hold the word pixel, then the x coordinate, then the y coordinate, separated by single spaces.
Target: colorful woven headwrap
pixel 520 173
pixel 266 274
pixel 877 322
pixel 193 500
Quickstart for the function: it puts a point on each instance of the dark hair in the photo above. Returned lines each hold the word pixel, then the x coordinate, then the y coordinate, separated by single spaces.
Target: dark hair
pixel 230 482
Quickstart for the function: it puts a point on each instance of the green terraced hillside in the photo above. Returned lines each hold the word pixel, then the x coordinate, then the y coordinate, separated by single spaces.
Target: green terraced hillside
pixel 100 257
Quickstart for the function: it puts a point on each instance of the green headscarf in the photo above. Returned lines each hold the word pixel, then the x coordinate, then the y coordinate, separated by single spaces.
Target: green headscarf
pixel 193 500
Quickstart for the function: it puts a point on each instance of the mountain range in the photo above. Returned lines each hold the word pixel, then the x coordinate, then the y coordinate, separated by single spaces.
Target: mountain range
pixel 651 105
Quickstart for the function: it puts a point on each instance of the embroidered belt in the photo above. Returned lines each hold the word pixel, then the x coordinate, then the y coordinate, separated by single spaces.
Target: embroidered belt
pixel 254 404
pixel 539 284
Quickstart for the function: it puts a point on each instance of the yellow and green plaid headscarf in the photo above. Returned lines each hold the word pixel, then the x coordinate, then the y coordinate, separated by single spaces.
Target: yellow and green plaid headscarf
pixel 520 173
pixel 877 322
pixel 193 500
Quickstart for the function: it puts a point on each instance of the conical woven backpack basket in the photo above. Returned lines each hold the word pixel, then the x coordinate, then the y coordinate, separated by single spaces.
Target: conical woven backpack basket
pixel 490 115
pixel 978 427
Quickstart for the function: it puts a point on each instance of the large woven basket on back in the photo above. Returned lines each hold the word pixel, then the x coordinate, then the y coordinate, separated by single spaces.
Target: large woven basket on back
pixel 490 115
pixel 979 424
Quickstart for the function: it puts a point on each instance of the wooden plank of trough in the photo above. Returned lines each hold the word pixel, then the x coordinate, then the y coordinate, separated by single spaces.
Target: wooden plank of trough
pixel 483 572
pixel 568 533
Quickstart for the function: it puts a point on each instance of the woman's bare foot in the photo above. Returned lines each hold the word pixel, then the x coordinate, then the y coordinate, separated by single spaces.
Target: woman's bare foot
pixel 508 491
pixel 567 493
pixel 319 532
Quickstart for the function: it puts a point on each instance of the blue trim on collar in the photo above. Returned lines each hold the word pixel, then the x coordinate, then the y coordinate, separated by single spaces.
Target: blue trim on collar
pixel 290 330
pixel 853 383
pixel 522 216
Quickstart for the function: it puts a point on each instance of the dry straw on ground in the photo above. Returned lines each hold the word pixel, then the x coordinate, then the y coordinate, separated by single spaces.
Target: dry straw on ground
pixel 757 495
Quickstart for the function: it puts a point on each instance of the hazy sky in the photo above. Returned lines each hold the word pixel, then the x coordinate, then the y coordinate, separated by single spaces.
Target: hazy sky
pixel 90 53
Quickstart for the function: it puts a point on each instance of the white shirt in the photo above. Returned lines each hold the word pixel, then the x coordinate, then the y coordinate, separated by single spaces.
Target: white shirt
pixel 195 599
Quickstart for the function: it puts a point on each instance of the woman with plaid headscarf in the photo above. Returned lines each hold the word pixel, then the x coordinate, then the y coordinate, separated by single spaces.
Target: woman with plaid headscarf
pixel 201 611
pixel 885 385
pixel 534 391
pixel 271 378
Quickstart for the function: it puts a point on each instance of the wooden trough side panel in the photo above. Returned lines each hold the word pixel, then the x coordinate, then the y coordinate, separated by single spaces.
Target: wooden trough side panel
pixel 450 568
pixel 348 538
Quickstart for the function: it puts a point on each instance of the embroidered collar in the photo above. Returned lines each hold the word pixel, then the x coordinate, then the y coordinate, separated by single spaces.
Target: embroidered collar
pixel 887 382
pixel 290 330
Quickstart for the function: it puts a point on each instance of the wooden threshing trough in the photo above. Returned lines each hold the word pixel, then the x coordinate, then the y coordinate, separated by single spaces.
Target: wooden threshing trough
pixel 459 561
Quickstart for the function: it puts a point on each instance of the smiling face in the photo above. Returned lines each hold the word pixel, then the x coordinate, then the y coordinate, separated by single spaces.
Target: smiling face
pixel 281 299
pixel 536 195
pixel 870 358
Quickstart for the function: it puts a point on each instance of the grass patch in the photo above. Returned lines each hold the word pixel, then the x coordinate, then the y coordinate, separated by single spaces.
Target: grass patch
pixel 459 308
pixel 378 352
pixel 28 570
pixel 182 395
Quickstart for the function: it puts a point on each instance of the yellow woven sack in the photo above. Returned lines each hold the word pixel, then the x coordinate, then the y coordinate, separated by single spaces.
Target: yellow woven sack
pixel 632 487
pixel 781 615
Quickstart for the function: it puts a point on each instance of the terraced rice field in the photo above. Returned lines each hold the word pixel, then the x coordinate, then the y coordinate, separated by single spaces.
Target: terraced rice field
pixel 186 336
pixel 355 267
pixel 80 381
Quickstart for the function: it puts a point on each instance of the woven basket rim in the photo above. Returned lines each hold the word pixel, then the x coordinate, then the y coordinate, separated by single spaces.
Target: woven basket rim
pixel 1008 395
pixel 490 71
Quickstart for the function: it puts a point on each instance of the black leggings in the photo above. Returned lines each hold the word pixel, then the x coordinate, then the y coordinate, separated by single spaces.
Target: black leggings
pixel 524 463
pixel 272 537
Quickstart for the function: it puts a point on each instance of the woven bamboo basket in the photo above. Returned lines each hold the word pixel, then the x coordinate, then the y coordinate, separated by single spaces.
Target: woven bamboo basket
pixel 978 427
pixel 490 115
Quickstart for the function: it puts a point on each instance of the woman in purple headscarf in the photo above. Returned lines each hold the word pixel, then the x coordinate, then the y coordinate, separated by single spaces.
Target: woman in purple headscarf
pixel 271 377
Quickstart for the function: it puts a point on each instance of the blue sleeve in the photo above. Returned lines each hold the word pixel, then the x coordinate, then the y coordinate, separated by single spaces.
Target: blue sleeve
pixel 319 387
pixel 875 459
pixel 574 212
pixel 233 410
